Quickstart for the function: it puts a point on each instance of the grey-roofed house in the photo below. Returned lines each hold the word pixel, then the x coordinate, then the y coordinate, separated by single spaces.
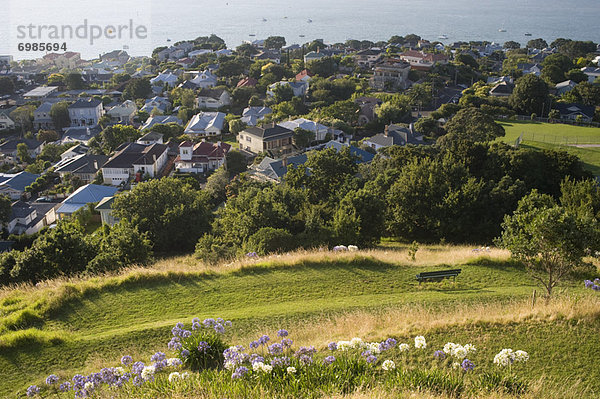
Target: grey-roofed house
pixel 42 118
pixel 85 112
pixel 133 158
pixel 90 193
pixel 80 134
pixel 299 89
pixel 564 87
pixel 151 138
pixel 252 115
pixel 273 170
pixel 213 98
pixel 361 155
pixel 40 92
pixel 502 89
pixel 84 166
pixel 14 185
pixel 205 124
pixel 162 119
pixel 394 135
pixel 572 111
pixel 9 148
pixel 30 218
pixel 271 138
pixel 74 151
pixel 105 209
pixel 161 104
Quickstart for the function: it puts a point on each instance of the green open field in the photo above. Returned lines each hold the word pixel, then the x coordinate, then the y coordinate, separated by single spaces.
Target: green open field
pixel 76 326
pixel 557 136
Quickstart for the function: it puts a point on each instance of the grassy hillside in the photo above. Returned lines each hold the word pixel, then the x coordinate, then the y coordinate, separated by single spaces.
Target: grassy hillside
pixel 556 136
pixel 72 326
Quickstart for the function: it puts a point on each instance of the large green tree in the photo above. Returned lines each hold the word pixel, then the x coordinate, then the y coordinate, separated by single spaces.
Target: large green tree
pixel 530 96
pixel 472 125
pixel 137 88
pixel 60 115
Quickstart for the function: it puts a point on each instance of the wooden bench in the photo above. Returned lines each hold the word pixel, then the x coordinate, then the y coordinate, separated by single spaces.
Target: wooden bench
pixel 438 276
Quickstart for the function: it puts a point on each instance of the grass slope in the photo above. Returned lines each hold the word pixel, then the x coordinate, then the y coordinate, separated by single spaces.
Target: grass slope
pixel 553 136
pixel 75 326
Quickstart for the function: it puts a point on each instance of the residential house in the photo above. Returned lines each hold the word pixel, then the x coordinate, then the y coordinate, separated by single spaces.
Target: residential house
pixel 368 58
pixel 298 88
pixel 421 61
pixel 9 148
pixel 361 155
pixel 213 98
pixel 186 84
pixel 74 151
pixel 123 113
pixel 270 138
pixel 367 109
pixel 394 135
pixel 564 87
pixel 198 53
pixel 318 129
pixel 13 185
pixel 252 115
pixel 205 80
pixel 502 89
pixel 39 93
pixel 205 124
pixel 160 119
pixel 274 170
pixel 156 104
pixel 151 138
pixel 164 78
pixel 529 68
pixel 247 82
pixel 573 111
pixel 304 76
pixel 313 56
pixel 390 74
pixel 268 55
pixel 86 112
pixel 42 118
pixel 88 194
pixel 133 158
pixel 30 218
pixel 104 207
pixel 185 62
pixel 494 80
pixel 6 123
pixel 201 157
pixel 67 60
pixel 592 73
pixel 84 166
pixel 80 134
pixel 224 52
pixel 120 56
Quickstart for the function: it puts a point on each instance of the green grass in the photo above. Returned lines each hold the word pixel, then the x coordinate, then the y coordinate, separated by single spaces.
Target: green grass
pixel 94 323
pixel 553 136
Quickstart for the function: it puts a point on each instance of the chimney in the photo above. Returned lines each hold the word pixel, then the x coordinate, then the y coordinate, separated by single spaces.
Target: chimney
pixel 154 157
pixel 218 144
pixel 284 162
pixel 318 49
pixel 386 130
pixel 96 165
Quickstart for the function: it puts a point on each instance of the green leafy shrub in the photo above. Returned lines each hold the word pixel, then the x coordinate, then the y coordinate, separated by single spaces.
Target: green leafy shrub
pixel 268 240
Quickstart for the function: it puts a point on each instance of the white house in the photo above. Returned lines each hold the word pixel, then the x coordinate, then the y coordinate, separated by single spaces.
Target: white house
pixel 123 113
pixel 85 112
pixel 164 78
pixel 252 115
pixel 318 129
pixel 30 218
pixel 213 98
pixel 201 157
pixel 5 122
pixel 151 138
pixel 160 119
pixel 298 88
pixel 197 53
pixel 205 124
pixel 592 73
pixel 132 158
pixel 161 104
pixel 205 79
pixel 313 56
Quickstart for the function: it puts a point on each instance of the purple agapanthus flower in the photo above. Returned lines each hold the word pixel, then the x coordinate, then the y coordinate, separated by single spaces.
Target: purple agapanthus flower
pixel 252 255
pixel 227 323
pixel 137 367
pixel 256 358
pixel 78 381
pixel 264 339
pixel 275 349
pixel 366 354
pixel 65 386
pixel 51 379
pixel 239 372
pixel 371 359
pixel 332 346
pixel 126 360
pixel 287 343
pixel 328 360
pixel 174 344
pixel 588 283
pixel 596 287
pixel 282 333
pixel 158 356
pixel 467 365
pixel 219 329
pixel 597 281
pixel 254 344
pixel 390 343
pixel 184 353
pixel 439 355
pixel 32 390
pixel 305 359
pixel 203 346
pixel 280 361
pixel 208 323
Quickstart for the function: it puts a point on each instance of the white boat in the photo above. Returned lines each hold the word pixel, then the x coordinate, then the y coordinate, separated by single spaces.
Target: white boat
pixel 442 37
pixel 501 30
pixel 309 20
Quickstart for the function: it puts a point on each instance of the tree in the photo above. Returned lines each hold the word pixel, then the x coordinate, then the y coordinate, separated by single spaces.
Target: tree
pixel 172 213
pixel 324 67
pixel 388 113
pixel 550 240
pixel 576 75
pixel 246 50
pixel 60 115
pixel 56 79
pixel 530 95
pixel 236 126
pixel 113 136
pixel 23 115
pixel 274 42
pixel 561 61
pixel 268 240
pixel 23 153
pixel 537 44
pixel 466 59
pixel 360 218
pixel 302 137
pixel 5 209
pixel 472 125
pixel 236 163
pixel 552 74
pixel 47 136
pixel 329 170
pixel 282 92
pixel 137 88
pixel 511 45
pixel 7 86
pixel 427 126
pixel 74 81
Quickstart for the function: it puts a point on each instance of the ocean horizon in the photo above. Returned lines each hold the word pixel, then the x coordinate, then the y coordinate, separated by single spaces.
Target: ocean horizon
pixel 333 21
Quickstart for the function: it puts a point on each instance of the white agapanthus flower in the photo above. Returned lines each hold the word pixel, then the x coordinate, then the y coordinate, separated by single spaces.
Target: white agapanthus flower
pixel 456 365
pixel 184 375
pixel 174 376
pixel 344 345
pixel 458 351
pixel 260 366
pixel 356 343
pixel 229 365
pixel 373 347
pixel 388 365
pixel 148 372
pixel 352 248
pixel 119 371
pixel 521 356
pixel 403 347
pixel 256 366
pixel 291 370
pixel 504 358
pixel 173 361
pixel 420 342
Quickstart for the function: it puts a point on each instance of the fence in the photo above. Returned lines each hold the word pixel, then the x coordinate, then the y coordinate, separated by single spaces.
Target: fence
pixel 558 140
pixel 548 120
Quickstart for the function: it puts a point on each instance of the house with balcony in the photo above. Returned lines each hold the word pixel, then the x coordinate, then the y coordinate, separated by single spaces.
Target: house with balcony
pixel 86 113
pixel 269 138
pixel 84 166
pixel 201 157
pixel 368 58
pixel 391 75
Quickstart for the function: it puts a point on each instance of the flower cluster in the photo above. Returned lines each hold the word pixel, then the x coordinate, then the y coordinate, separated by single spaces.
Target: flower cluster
pixel 594 285
pixel 420 342
pixel 507 357
pixel 458 351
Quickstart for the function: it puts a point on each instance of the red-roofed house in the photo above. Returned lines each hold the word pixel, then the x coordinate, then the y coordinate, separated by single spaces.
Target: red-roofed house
pixel 304 76
pixel 422 61
pixel 201 157
pixel 247 82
